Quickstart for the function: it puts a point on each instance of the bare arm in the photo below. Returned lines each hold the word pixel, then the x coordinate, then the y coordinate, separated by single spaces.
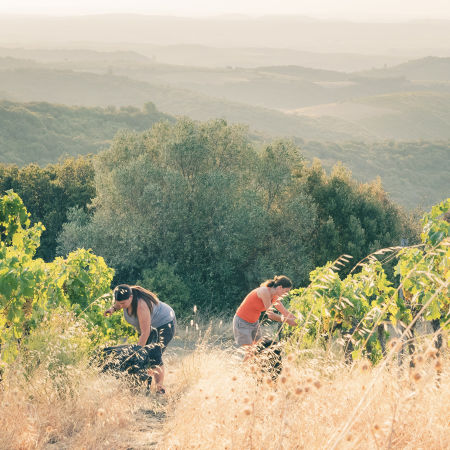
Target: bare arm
pixel 264 294
pixel 286 316
pixel 112 310
pixel 280 307
pixel 145 322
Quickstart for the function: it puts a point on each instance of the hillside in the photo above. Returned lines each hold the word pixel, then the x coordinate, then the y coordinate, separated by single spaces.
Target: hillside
pixel 430 68
pixel 329 105
pixel 403 116
pixel 274 87
pixel 43 132
pixel 343 116
pixel 88 89
pixel 205 56
pixel 414 173
pixel 73 56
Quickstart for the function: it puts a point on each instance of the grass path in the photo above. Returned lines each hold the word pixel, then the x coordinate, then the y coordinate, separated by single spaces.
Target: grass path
pixel 146 431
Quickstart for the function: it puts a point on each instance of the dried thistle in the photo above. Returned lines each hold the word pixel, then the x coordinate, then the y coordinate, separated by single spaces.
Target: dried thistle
pixel 395 344
pixel 432 353
pixel 416 376
pixel 298 390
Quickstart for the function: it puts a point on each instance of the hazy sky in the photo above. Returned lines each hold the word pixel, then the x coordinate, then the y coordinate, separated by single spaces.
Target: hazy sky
pixel 352 9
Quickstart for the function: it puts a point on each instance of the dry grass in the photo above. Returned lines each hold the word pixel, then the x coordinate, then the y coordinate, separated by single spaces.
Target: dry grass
pixel 226 404
pixel 76 409
pixel 216 401
pixel 52 398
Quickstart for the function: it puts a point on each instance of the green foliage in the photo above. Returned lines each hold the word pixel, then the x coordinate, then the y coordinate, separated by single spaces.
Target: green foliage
pixel 224 214
pixel 19 272
pixel 436 226
pixel 82 277
pixel 356 306
pixel 353 218
pixel 424 270
pixel 414 173
pixel 49 193
pixel 168 286
pixel 31 289
pixel 42 133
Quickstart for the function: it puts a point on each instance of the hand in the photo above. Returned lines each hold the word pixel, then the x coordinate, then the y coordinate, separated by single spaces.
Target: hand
pixel 292 321
pixel 109 312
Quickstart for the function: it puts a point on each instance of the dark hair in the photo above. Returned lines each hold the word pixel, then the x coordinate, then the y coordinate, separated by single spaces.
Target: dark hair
pixel 123 292
pixel 280 280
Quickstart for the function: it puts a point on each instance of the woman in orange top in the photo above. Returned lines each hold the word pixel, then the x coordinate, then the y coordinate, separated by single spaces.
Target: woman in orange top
pixel 246 326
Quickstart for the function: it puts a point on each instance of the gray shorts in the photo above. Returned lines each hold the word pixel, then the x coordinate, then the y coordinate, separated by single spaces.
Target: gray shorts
pixel 246 333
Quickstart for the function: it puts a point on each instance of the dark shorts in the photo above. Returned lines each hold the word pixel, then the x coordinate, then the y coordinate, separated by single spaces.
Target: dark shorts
pixel 160 338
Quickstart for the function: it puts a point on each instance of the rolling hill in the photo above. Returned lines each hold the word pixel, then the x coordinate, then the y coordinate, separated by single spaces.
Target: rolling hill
pixel 43 133
pixel 87 89
pixel 415 173
pixel 430 68
pixel 402 116
pixel 389 123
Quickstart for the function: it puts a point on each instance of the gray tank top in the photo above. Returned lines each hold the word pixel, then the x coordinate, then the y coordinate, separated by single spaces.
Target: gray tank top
pixel 161 315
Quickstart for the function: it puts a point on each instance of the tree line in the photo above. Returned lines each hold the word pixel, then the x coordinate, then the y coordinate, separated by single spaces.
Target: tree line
pixel 49 192
pixel 199 213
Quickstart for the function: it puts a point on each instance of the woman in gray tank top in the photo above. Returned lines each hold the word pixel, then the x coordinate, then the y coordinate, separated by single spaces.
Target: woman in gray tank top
pixel 143 310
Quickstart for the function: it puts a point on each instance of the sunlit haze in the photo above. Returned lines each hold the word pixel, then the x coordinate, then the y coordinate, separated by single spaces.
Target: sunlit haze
pixel 350 9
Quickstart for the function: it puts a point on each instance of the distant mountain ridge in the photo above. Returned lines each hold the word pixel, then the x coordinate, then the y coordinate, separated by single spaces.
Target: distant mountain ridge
pixel 209 56
pixel 46 55
pixel 413 39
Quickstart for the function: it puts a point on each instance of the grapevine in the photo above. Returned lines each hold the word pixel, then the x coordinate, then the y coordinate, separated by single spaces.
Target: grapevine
pixel 355 310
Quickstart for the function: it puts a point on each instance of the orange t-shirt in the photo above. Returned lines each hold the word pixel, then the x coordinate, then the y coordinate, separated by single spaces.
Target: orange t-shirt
pixel 252 306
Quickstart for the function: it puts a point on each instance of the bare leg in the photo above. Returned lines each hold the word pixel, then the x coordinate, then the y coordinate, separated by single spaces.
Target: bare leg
pixel 250 350
pixel 158 373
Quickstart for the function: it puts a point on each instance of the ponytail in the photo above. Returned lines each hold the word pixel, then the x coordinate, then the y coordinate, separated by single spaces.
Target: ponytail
pixel 141 293
pixel 280 280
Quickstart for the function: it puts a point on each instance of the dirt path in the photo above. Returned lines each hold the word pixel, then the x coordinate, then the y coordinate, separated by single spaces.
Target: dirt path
pixel 147 430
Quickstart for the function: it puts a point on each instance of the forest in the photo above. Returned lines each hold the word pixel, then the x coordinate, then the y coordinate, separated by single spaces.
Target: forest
pixel 199 206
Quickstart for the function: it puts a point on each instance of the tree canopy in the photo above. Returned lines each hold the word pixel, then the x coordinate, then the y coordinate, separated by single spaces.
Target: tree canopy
pixel 200 202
